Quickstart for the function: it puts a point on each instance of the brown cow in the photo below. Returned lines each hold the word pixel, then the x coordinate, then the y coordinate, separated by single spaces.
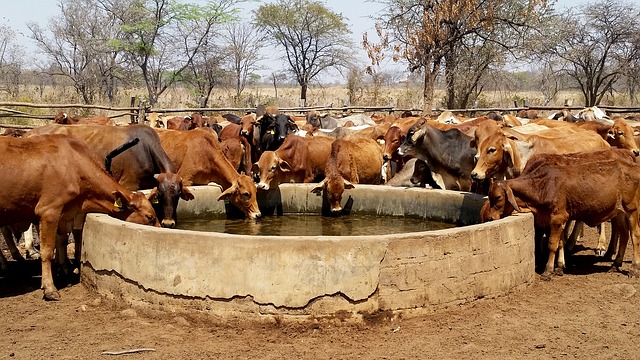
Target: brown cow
pixel 139 167
pixel 64 118
pixel 238 151
pixel 352 162
pixel 506 152
pixel 297 160
pixel 592 187
pixel 57 180
pixel 199 160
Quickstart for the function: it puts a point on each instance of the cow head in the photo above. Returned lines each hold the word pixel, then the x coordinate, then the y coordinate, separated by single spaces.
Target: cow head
pixel 414 138
pixel 242 194
pixel 166 195
pixel 419 170
pixel 393 138
pixel 501 202
pixel 268 167
pixel 622 135
pixel 495 154
pixel 285 126
pixel 135 208
pixel 247 124
pixel 335 186
pixel 199 121
pixel 61 118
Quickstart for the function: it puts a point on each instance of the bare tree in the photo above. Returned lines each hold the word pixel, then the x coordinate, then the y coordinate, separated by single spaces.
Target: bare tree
pixel 314 38
pixel 598 46
pixel 276 77
pixel 11 61
pixel 242 44
pixel 424 32
pixel 77 42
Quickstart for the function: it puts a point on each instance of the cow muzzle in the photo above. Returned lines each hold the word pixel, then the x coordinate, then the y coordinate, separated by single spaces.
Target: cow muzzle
pixel 386 157
pixel 636 152
pixel 263 186
pixel 168 223
pixel 254 215
pixel 244 132
pixel 477 176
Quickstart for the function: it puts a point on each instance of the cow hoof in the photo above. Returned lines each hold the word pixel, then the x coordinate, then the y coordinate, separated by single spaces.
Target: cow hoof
pixel 559 272
pixel 545 276
pixel 51 295
pixel 600 253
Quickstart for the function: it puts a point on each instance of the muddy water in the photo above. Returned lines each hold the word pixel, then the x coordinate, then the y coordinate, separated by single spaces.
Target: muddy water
pixel 314 225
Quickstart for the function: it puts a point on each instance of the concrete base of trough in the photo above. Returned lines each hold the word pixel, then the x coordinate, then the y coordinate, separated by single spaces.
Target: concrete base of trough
pixel 312 277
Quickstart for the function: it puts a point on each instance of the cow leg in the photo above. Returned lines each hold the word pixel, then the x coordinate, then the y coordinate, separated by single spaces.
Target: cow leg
pixel 48 230
pixel 7 234
pixel 576 232
pixel 601 240
pixel 555 238
pixel 635 227
pixel 619 224
pixel 4 264
pixel 30 251
pixel 77 238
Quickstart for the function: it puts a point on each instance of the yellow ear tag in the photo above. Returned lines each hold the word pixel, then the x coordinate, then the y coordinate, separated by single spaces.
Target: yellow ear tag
pixel 155 200
pixel 118 203
pixel 272 132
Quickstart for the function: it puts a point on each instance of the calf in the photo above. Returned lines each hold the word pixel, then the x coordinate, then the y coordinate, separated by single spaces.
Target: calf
pixel 297 160
pixel 591 187
pixel 56 180
pixel 238 151
pixel 199 160
pixel 352 162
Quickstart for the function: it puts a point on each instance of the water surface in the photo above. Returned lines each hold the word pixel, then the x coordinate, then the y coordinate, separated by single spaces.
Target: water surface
pixel 313 225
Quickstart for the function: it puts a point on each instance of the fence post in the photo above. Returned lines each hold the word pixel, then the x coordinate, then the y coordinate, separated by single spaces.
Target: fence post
pixel 524 102
pixel 515 103
pixel 133 104
pixel 141 112
pixel 201 103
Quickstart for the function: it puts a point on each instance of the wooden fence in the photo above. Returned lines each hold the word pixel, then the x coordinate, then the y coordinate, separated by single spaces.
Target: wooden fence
pixel 136 113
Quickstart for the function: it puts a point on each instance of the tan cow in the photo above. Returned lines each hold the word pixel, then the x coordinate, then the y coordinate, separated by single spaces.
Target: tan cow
pixel 199 160
pixel 352 162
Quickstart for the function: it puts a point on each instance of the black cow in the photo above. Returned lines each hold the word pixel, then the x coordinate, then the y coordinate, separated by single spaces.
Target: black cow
pixel 273 130
pixel 232 118
pixel 446 151
pixel 141 167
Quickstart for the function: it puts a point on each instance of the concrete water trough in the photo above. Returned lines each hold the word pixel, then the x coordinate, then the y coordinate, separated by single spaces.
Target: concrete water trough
pixel 312 277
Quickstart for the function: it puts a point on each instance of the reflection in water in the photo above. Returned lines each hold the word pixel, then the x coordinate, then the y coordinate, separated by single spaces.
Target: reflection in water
pixel 313 225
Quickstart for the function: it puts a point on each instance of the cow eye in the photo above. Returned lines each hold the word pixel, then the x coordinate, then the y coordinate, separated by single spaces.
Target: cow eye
pixel 273 168
pixel 395 141
pixel 491 150
pixel 246 196
pixel 620 133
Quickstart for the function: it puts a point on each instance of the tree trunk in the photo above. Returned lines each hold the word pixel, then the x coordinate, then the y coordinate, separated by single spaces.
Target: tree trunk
pixel 303 94
pixel 449 71
pixel 430 76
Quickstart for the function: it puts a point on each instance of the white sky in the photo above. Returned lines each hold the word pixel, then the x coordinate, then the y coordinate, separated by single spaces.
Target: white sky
pixel 17 13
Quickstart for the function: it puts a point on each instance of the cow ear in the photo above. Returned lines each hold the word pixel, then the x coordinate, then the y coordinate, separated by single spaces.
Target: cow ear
pixel 153 196
pixel 512 199
pixel 284 166
pixel 227 193
pixel 473 143
pixel 507 154
pixel 120 200
pixel 186 194
pixel 636 132
pixel 348 185
pixel 318 188
pixel 255 169
pixel 156 176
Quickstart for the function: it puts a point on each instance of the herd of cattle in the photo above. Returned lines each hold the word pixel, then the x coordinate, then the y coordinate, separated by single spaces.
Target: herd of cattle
pixel 562 167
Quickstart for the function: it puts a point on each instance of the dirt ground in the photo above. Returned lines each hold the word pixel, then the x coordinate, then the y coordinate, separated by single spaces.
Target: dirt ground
pixel 587 313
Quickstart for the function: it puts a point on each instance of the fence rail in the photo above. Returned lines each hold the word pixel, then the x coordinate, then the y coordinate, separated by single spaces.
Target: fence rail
pixel 135 113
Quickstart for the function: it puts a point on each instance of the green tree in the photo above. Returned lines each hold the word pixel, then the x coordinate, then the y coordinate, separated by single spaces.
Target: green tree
pixel 314 38
pixel 162 37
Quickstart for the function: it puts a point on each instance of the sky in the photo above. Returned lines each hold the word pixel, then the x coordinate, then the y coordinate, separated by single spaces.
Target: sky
pixel 359 14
